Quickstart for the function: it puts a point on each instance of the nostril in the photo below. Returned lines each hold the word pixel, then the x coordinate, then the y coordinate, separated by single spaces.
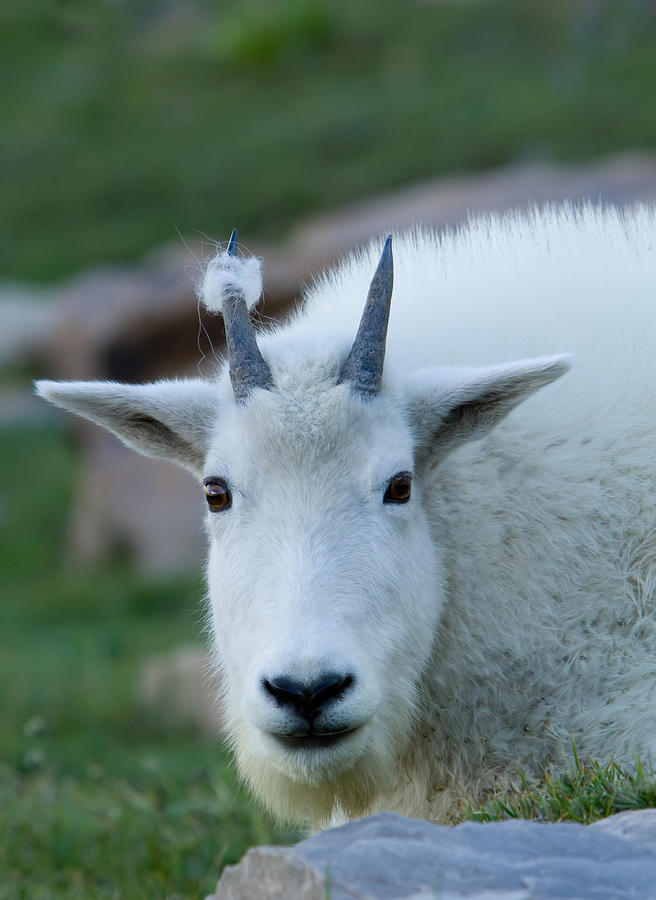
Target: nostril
pixel 330 687
pixel 307 699
pixel 284 690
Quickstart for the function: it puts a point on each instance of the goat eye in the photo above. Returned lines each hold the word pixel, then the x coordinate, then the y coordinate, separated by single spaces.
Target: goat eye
pixel 218 494
pixel 399 488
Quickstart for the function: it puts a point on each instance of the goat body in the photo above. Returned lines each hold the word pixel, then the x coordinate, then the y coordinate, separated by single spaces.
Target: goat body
pixel 380 653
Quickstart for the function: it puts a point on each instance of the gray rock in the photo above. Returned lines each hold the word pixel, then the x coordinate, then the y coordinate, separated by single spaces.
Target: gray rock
pixel 390 857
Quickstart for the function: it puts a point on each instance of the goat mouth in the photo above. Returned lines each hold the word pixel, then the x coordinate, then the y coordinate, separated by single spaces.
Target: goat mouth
pixel 314 741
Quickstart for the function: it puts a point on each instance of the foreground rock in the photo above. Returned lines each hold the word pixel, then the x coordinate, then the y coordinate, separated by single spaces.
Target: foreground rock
pixel 389 857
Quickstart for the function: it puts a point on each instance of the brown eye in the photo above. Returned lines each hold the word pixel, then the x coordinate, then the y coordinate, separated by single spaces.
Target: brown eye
pixel 399 488
pixel 218 494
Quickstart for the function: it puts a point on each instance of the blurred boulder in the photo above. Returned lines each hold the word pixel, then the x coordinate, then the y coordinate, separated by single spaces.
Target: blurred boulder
pixel 445 202
pixel 140 322
pixel 27 322
pixel 146 509
pixel 180 689
pixel 19 406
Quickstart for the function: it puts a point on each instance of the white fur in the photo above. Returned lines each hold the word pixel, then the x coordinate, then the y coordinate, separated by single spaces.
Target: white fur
pixel 510 604
pixel 224 274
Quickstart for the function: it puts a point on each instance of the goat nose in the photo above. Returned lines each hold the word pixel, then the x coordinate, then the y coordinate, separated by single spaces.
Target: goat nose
pixel 307 699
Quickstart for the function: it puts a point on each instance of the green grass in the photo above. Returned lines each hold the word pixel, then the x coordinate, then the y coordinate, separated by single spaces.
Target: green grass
pixel 162 824
pixel 587 791
pixel 97 797
pixel 123 122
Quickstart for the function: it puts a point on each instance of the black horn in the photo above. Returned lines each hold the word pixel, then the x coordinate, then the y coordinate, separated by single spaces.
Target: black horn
pixel 363 367
pixel 248 368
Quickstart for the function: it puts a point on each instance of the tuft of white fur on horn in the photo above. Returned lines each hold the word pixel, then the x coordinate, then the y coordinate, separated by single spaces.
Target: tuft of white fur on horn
pixel 225 276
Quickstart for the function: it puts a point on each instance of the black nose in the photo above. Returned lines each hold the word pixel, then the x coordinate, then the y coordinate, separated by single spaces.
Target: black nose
pixel 307 699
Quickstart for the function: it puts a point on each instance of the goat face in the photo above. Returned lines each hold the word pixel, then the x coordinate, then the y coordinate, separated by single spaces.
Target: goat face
pixel 325 589
pixel 325 585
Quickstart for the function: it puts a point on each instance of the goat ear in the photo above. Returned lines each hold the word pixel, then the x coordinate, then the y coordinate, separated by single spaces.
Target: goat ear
pixel 168 419
pixel 449 406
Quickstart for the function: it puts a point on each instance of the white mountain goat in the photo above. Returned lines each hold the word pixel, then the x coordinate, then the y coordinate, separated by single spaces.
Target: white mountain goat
pixel 428 576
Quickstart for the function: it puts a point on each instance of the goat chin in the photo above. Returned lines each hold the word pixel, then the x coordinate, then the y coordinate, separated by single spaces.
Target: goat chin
pixel 317 793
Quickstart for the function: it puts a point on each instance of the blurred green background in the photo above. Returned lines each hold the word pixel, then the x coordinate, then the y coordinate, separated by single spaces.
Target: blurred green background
pixel 122 122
